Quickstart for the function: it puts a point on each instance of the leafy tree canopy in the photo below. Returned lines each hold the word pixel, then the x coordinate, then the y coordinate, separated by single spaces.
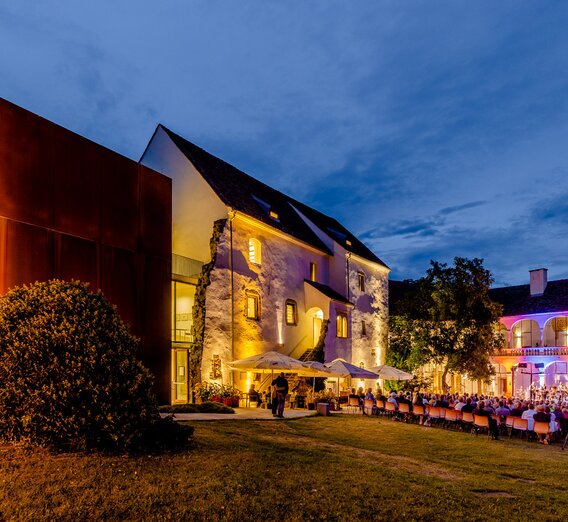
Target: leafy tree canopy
pixel 447 318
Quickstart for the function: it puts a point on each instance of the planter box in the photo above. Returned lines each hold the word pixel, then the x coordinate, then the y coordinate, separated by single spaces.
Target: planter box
pixel 323 408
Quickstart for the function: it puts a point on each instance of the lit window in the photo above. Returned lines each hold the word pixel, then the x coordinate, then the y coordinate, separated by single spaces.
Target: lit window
pixel 252 310
pixel 291 313
pixel 313 272
pixel 273 215
pixel 348 242
pixel 363 328
pixel 341 324
pixel 361 281
pixel 255 251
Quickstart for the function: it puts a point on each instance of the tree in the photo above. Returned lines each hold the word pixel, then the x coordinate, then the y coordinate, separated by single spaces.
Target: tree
pixel 69 375
pixel 448 318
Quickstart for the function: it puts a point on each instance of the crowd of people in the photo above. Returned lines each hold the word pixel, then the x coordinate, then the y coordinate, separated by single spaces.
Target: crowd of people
pixel 552 410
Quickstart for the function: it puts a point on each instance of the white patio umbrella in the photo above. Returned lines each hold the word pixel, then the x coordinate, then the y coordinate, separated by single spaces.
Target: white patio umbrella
pixel 389 372
pixel 315 369
pixel 268 362
pixel 342 368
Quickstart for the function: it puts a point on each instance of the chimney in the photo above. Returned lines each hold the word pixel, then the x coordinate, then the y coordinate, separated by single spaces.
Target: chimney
pixel 538 281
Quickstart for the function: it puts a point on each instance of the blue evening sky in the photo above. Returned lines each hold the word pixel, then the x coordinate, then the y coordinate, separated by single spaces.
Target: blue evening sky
pixel 431 129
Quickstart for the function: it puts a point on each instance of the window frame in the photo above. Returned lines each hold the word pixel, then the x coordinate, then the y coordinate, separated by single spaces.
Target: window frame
pixel 294 306
pixel 251 294
pixel 255 251
pixel 342 325
pixel 361 281
pixel 313 271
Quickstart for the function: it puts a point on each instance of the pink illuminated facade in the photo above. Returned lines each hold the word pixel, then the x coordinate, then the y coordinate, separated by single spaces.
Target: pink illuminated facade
pixel 535 327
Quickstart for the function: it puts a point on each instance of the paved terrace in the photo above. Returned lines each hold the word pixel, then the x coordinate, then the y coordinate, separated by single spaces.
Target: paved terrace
pixel 243 414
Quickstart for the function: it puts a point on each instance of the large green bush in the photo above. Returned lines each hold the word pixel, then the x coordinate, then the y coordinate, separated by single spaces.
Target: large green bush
pixel 69 375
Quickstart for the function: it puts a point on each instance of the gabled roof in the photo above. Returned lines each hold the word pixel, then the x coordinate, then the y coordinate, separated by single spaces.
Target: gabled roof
pixel 246 194
pixel 516 300
pixel 328 292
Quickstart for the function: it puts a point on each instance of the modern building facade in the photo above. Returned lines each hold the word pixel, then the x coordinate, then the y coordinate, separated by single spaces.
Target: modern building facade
pixel 72 209
pixel 255 270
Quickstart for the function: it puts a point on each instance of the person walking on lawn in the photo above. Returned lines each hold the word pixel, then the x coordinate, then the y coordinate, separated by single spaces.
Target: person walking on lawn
pixel 281 384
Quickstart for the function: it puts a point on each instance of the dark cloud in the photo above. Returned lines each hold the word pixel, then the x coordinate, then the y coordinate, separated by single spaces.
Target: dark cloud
pixel 430 130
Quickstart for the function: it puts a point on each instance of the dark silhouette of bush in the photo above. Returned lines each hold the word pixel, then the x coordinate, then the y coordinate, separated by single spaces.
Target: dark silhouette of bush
pixel 69 375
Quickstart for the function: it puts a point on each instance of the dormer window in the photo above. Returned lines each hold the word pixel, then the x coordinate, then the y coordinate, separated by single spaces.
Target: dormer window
pixel 348 242
pixel 255 251
pixel 266 208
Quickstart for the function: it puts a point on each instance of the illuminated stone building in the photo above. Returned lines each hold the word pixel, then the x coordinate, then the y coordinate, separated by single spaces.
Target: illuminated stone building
pixel 255 270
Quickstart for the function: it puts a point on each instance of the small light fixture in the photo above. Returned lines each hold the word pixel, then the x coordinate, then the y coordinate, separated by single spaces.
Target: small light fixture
pixel 348 242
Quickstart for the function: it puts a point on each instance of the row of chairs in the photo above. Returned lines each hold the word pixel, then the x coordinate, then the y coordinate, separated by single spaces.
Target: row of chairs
pixel 448 417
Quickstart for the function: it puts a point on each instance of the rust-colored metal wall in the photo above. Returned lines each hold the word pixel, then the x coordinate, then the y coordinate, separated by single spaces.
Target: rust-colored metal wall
pixel 72 209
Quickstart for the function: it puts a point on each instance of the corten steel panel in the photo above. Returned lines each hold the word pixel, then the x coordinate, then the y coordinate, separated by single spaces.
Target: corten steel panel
pixel 72 163
pixel 155 280
pixel 24 186
pixel 28 254
pixel 119 201
pixel 119 276
pixel 77 260
pixel 155 213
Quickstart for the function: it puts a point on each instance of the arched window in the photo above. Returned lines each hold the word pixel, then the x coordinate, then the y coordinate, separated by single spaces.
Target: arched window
pixel 255 251
pixel 341 325
pixel 556 332
pixel 525 334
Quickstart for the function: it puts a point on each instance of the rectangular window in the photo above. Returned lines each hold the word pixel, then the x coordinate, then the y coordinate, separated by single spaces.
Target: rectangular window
pixel 313 272
pixel 363 328
pixel 252 306
pixel 361 280
pixel 341 324
pixel 291 313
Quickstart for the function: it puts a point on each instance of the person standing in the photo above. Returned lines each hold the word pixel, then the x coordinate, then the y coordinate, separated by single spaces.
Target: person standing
pixel 281 385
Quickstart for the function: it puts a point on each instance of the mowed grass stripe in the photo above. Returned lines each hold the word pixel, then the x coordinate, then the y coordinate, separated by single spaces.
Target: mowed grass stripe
pixel 346 467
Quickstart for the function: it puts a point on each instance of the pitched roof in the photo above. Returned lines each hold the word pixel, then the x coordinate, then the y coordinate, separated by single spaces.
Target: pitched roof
pixel 516 300
pixel 246 194
pixel 328 292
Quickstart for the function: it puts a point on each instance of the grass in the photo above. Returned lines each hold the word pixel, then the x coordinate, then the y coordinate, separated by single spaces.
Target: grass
pixel 345 467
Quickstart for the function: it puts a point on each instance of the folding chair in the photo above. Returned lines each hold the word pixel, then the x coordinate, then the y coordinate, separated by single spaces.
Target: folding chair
pixel 521 425
pixel 404 411
pixel 481 423
pixel 381 407
pixel 452 417
pixel 434 413
pixel 368 407
pixel 352 405
pixel 418 412
pixel 390 409
pixel 541 428
pixel 467 420
pixel 509 424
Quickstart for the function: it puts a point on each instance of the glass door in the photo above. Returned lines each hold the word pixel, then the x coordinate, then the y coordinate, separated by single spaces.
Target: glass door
pixel 180 375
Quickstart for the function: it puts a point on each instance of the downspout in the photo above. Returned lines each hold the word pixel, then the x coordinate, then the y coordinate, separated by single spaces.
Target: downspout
pixel 232 215
pixel 347 274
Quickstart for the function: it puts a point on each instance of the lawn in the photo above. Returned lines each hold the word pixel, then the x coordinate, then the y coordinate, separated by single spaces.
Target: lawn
pixel 346 467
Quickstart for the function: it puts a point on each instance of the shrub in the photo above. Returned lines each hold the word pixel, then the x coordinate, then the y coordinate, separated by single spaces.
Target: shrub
pixel 204 407
pixel 69 376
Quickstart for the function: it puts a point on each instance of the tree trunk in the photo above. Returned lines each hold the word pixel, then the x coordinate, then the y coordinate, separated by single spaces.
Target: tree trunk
pixel 445 385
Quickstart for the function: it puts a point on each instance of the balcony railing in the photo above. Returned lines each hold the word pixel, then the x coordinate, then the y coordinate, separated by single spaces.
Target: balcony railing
pixel 541 350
